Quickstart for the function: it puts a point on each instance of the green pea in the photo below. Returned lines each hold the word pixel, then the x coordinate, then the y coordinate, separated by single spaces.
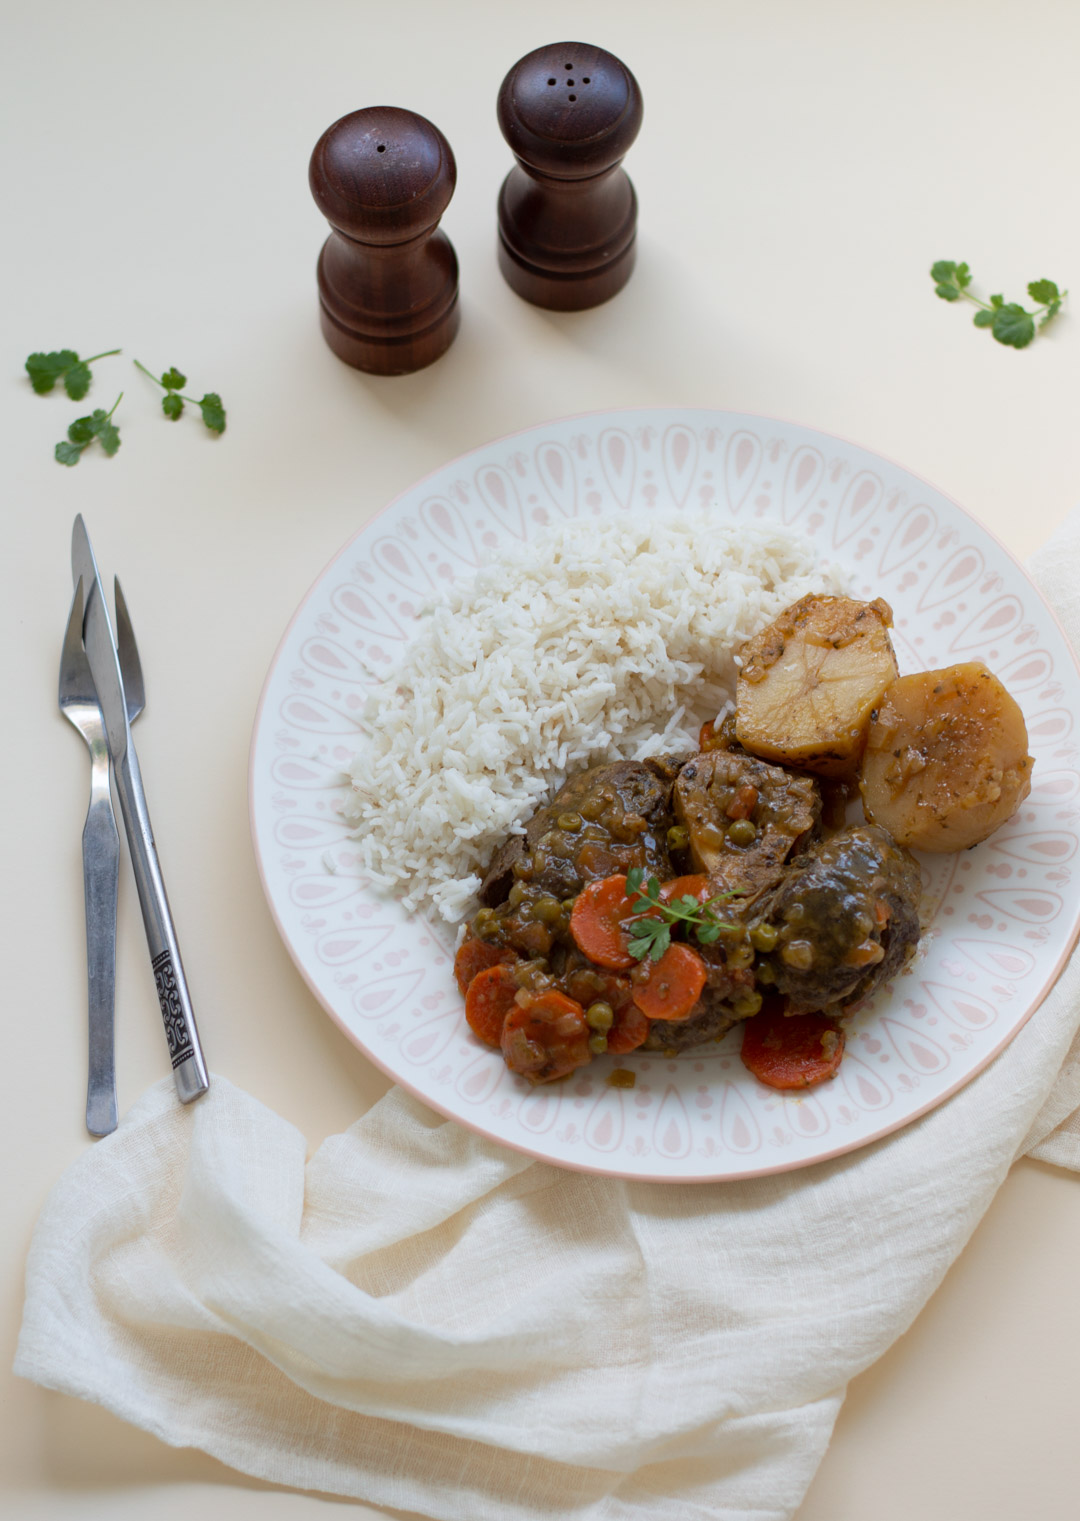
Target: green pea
pixel 763 937
pixel 598 1044
pixel 592 808
pixel 570 822
pixel 742 832
pixel 740 956
pixel 486 923
pixel 522 868
pixel 747 1005
pixel 678 838
pixel 547 910
pixel 515 895
pixel 568 905
pixel 600 1016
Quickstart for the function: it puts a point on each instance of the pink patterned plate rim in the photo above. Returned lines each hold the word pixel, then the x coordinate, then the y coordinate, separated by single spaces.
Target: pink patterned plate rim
pixel 1002 918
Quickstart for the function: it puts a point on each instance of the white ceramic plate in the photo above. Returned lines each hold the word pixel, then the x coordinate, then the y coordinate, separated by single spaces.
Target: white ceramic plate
pixel 1002 917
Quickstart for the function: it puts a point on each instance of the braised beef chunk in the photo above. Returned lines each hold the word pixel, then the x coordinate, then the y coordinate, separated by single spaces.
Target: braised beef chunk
pixel 846 917
pixel 712 1019
pixel 744 818
pixel 500 874
pixel 602 822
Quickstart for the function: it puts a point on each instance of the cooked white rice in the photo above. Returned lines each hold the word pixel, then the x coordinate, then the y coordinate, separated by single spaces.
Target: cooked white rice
pixel 600 640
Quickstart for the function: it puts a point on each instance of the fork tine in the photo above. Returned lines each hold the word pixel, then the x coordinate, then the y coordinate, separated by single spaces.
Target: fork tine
pixel 72 655
pixel 128 652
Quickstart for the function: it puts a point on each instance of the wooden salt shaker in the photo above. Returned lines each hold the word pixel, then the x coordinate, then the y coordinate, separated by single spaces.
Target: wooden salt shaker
pixel 388 276
pixel 567 211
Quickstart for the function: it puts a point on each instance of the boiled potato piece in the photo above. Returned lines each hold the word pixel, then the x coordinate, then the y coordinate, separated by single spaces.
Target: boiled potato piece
pixel 946 758
pixel 810 681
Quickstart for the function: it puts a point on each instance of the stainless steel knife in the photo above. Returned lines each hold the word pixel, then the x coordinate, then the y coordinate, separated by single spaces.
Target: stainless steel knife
pixel 189 1068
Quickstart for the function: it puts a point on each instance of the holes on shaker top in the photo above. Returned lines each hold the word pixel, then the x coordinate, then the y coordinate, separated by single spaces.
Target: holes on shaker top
pixel 571 97
pixel 551 81
pixel 381 148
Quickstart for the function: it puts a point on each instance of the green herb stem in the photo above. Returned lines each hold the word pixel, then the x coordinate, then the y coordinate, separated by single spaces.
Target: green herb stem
pixel 105 354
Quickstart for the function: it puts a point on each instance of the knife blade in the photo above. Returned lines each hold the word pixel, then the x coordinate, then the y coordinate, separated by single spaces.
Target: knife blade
pixel 185 1051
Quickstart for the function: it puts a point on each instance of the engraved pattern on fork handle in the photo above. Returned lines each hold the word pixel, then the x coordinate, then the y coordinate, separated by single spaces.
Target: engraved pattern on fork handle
pixel 185 1051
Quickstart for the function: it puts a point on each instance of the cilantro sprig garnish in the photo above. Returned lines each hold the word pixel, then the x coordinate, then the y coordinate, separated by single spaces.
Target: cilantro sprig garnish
pixel 1008 321
pixel 172 403
pixel 650 928
pixel 84 430
pixel 63 364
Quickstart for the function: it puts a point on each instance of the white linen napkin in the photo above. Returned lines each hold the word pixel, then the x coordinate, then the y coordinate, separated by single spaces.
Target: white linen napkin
pixel 421 1319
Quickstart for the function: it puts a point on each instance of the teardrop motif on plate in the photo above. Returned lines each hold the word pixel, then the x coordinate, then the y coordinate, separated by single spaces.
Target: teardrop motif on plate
pixel 402 564
pixel 1052 727
pixel 555 468
pixel 962 1008
pixel 805 1115
pixel 680 452
pixel 539 1110
pixel 386 994
pixel 479 1080
pixel 1049 848
pixel 605 1124
pixel 339 947
pixel 738 1127
pixel 499 495
pixel 328 658
pixel 618 461
pixel 860 501
pixel 429 1040
pixel 366 612
pixel 866 1088
pixel 305 774
pixel 952 579
pixel 321 889
pixel 1009 961
pixel 997 621
pixel 307 832
pixel 1054 788
pixel 910 537
pixel 1027 671
pixel 671 1128
pixel 1031 905
pixel 802 479
pixel 446 524
pixel 914 1048
pixel 742 459
pixel 316 717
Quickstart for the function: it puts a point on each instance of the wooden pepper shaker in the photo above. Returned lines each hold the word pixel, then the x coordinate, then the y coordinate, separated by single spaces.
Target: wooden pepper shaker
pixel 567 210
pixel 388 276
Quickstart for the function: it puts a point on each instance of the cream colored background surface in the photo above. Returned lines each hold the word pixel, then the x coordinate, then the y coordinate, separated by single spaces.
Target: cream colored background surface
pixel 799 169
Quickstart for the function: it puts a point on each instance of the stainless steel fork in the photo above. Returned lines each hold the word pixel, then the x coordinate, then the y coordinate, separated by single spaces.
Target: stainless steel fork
pixel 101 846
pixel 101 868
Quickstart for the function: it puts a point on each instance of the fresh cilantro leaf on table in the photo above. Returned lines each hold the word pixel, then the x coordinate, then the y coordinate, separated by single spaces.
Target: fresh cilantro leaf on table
pixel 650 928
pixel 172 382
pixel 63 364
pixel 1009 322
pixel 84 430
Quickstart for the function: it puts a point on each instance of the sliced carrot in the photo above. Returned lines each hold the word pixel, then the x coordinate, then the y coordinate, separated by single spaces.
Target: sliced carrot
pixel 697 886
pixel 707 739
pixel 743 803
pixel 476 956
pixel 489 1000
pixel 669 988
pixel 628 1032
pixel 793 1051
pixel 545 1039
pixel 596 923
